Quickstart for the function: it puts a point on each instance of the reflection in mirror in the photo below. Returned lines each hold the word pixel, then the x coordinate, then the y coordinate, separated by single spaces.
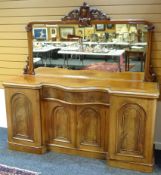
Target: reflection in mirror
pixel 107 47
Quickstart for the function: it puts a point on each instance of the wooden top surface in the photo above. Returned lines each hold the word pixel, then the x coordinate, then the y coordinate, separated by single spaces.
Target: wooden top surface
pixel 85 80
pixel 89 74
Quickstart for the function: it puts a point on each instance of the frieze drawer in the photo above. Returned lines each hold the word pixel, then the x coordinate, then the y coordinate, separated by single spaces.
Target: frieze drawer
pixel 73 96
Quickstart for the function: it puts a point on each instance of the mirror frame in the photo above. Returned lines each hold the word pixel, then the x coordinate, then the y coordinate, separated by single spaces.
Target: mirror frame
pixel 84 17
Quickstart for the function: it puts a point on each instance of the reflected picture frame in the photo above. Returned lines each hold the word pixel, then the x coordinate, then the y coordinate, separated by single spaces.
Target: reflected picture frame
pixel 100 27
pixel 88 31
pixel 110 26
pixel 53 33
pixel 79 32
pixel 40 34
pixel 65 31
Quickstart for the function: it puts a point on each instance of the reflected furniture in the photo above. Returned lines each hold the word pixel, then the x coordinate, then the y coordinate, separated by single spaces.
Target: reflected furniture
pixel 135 54
pixel 105 66
pixel 117 54
pixel 107 115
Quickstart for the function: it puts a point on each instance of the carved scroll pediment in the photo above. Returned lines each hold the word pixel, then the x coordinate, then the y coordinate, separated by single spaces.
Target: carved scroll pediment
pixel 85 14
pixel 73 15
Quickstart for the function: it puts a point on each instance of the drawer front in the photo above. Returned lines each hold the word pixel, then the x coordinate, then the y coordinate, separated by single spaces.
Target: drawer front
pixel 84 96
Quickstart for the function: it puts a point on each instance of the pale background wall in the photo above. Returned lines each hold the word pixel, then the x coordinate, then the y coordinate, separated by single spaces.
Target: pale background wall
pixel 15 14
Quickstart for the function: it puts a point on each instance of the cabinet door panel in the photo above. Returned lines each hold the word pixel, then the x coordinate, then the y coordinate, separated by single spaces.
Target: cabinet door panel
pixel 131 125
pixel 131 129
pixel 91 127
pixel 60 123
pixel 22 111
pixel 23 116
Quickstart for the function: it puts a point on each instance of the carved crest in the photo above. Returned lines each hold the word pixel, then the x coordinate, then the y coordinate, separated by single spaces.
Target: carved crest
pixel 27 69
pixel 85 14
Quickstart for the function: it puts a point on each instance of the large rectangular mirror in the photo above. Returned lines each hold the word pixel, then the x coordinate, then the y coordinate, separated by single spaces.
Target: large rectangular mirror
pixel 105 47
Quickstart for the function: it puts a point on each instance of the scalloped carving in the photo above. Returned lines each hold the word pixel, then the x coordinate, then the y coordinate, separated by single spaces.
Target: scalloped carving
pixel 85 14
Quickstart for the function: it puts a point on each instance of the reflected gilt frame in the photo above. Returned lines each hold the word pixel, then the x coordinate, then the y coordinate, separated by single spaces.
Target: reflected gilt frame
pixel 100 27
pixel 65 31
pixel 40 33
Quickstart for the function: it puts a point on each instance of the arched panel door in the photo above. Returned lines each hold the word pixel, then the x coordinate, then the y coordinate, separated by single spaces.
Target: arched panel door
pixel 60 124
pixel 23 119
pixel 91 127
pixel 130 138
pixel 21 108
pixel 131 120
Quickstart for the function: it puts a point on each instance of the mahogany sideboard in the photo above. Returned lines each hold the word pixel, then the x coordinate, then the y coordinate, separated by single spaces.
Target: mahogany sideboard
pixel 101 115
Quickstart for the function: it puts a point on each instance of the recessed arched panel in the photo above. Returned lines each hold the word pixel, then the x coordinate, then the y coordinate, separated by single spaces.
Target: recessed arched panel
pixel 131 129
pixel 90 126
pixel 21 108
pixel 60 124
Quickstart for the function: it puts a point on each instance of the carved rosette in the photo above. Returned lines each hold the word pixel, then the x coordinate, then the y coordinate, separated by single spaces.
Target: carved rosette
pixel 73 15
pixel 85 14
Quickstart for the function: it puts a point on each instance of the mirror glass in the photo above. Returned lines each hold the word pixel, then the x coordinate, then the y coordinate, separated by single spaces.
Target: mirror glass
pixel 107 47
